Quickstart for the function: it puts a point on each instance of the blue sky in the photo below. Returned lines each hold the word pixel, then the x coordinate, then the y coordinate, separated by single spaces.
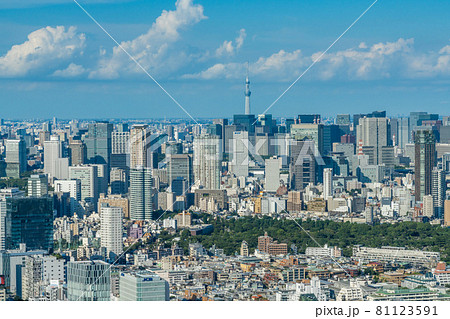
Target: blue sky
pixel 54 61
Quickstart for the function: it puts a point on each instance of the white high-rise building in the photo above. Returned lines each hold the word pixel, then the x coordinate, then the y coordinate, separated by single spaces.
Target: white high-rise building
pixel 55 165
pixel 141 194
pixel 373 132
pixel 438 191
pixel 16 153
pixel 69 186
pixel 38 185
pixel 139 143
pixel 272 173
pixel 120 142
pixel 207 161
pixel 111 230
pixel 327 183
pixel 428 208
pixel 73 187
pixel 240 154
pixel 88 176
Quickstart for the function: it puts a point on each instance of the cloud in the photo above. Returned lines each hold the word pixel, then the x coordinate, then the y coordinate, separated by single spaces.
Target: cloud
pixel 396 59
pixel 276 66
pixel 46 49
pixel 152 49
pixel 228 48
pixel 72 71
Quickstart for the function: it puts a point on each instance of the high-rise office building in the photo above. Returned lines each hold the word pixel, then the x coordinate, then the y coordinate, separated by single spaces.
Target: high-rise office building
pixel 38 185
pixel 77 153
pixel 428 209
pixel 403 132
pixel 374 134
pixel 343 119
pixel 118 181
pixel 425 159
pixel 98 144
pixel 308 119
pixel 180 166
pixel 88 281
pixel 447 213
pixel 141 194
pixel 120 142
pixel 222 124
pixel 4 194
pixel 207 161
pixel 29 220
pixel 16 157
pixel 111 230
pixel 327 183
pixel 143 286
pixel 302 164
pixel 331 134
pixel 309 131
pixel 55 164
pixel 438 190
pixel 88 175
pixel 240 154
pixel 139 145
pixel 272 173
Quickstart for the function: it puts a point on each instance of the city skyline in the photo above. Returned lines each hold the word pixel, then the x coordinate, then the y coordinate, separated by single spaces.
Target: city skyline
pixel 201 58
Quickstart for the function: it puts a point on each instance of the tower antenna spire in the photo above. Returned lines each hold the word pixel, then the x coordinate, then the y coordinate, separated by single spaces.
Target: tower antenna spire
pixel 247 92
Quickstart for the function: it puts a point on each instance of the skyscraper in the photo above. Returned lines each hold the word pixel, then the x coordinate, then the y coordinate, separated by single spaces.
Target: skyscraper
pixel 98 144
pixel 327 183
pixel 207 161
pixel 374 134
pixel 88 281
pixel 78 153
pixel 403 132
pixel 272 174
pixel 38 185
pixel 55 164
pixel 88 175
pixel 139 144
pixel 240 154
pixel 16 157
pixel 428 210
pixel 425 159
pixel 438 190
pixel 29 220
pixel 141 194
pixel 180 165
pixel 302 164
pixel 111 230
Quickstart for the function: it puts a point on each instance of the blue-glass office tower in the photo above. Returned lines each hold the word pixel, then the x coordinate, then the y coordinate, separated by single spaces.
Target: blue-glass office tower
pixel 98 144
pixel 29 220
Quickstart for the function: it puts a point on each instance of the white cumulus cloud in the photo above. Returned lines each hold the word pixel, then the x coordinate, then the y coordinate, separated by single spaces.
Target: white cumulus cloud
pixel 396 59
pixel 46 49
pixel 152 49
pixel 72 71
pixel 230 48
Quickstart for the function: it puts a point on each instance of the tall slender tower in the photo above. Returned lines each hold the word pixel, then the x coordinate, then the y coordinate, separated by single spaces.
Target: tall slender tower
pixel 247 95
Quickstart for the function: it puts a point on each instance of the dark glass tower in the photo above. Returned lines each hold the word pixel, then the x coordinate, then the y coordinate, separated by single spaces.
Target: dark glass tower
pixel 29 220
pixel 425 160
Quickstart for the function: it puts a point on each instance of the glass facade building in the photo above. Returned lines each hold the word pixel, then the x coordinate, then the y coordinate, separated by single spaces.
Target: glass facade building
pixel 29 220
pixel 88 281
pixel 143 286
